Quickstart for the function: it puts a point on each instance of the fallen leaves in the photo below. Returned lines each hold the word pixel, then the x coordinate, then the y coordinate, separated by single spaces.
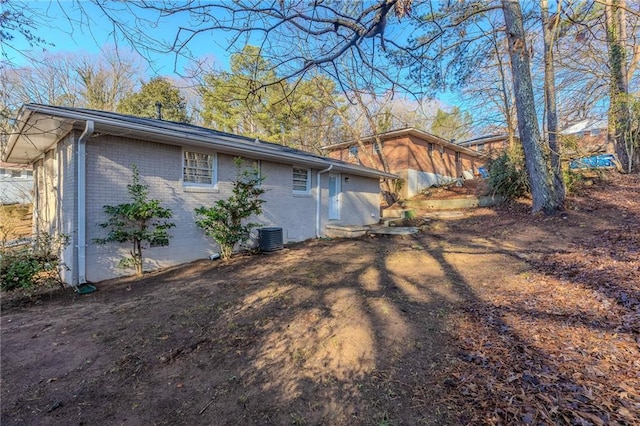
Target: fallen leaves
pixel 564 346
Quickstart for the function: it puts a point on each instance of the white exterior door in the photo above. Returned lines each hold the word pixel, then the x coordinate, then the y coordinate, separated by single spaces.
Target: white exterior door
pixel 334 196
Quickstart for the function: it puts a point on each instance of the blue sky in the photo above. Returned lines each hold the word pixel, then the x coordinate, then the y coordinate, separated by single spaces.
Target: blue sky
pixel 70 26
pixel 81 26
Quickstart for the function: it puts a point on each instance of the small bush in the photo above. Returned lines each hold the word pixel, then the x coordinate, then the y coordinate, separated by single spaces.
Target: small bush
pixel 225 222
pixel 571 179
pixel 18 269
pixel 508 176
pixel 141 222
pixel 39 264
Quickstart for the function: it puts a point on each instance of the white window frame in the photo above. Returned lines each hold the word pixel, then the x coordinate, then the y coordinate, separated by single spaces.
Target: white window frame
pixel 214 170
pixel 308 182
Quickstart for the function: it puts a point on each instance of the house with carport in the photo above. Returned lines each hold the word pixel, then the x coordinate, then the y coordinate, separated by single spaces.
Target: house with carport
pixel 420 159
pixel 82 160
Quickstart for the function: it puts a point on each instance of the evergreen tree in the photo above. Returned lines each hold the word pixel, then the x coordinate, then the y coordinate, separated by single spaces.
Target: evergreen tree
pixel 157 91
pixel 454 125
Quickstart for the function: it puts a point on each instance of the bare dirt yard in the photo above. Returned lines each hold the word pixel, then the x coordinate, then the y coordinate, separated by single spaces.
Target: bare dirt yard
pixel 497 317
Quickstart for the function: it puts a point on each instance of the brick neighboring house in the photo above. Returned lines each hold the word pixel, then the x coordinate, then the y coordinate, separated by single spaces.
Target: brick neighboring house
pixel 587 137
pixel 16 183
pixel 419 158
pixel 82 161
pixel 490 146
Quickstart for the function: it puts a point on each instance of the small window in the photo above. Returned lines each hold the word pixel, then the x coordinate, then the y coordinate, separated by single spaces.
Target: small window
pixel 301 180
pixel 378 147
pixel 595 132
pixel 457 156
pixel 16 173
pixel 353 152
pixel 430 148
pixel 198 168
pixel 480 147
pixel 257 166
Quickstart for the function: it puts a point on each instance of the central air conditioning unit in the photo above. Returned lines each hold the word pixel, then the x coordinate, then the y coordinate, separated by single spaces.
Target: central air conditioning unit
pixel 270 239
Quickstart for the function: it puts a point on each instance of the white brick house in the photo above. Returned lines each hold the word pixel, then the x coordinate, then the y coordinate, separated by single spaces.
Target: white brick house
pixel 82 161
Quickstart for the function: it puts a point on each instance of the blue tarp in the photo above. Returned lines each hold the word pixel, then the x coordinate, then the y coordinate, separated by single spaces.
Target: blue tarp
pixel 593 162
pixel 483 172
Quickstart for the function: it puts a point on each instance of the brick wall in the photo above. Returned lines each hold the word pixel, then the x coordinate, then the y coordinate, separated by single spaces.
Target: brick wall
pixel 109 161
pixel 418 162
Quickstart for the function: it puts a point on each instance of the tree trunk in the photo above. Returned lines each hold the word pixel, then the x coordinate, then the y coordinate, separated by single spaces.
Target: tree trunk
pixel 137 256
pixel 618 91
pixel 548 29
pixel 506 104
pixel 542 189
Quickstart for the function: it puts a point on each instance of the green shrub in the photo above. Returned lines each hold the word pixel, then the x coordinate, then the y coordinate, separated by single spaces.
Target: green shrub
pixel 139 222
pixel 571 179
pixel 507 175
pixel 36 265
pixel 225 222
pixel 18 269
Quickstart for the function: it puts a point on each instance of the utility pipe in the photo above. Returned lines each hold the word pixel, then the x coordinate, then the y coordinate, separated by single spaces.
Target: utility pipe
pixel 319 198
pixel 82 201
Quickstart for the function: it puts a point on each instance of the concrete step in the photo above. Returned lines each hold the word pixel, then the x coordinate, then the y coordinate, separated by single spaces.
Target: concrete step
pixel 345 231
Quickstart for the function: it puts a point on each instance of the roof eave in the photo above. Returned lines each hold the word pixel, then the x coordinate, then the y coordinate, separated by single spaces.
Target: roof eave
pixel 223 143
pixel 404 132
pixel 18 127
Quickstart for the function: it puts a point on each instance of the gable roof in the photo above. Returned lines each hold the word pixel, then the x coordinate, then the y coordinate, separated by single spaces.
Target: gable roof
pixel 39 127
pixel 585 126
pixel 408 131
pixel 484 139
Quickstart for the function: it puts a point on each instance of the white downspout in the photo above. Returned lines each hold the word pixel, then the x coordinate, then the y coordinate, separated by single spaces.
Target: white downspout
pixel 82 201
pixel 319 199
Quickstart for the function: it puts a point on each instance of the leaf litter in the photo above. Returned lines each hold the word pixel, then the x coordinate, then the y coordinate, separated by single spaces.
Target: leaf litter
pixel 495 317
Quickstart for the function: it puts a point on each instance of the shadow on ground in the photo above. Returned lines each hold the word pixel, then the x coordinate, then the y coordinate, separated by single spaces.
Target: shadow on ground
pixel 475 321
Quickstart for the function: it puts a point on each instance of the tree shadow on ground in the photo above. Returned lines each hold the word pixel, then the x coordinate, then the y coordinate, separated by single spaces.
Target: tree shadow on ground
pixel 447 328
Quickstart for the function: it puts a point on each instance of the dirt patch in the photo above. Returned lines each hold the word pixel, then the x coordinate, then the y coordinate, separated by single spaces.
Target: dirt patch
pixel 497 317
pixel 465 188
pixel 15 221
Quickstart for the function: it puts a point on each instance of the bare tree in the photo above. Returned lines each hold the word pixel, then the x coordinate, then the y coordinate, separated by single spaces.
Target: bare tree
pixel 543 191
pixel 18 22
pixel 436 46
pixel 619 118
pixel 549 26
pixel 105 81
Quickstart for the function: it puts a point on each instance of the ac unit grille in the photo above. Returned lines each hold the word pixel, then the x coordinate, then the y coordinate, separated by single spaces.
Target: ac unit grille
pixel 270 239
